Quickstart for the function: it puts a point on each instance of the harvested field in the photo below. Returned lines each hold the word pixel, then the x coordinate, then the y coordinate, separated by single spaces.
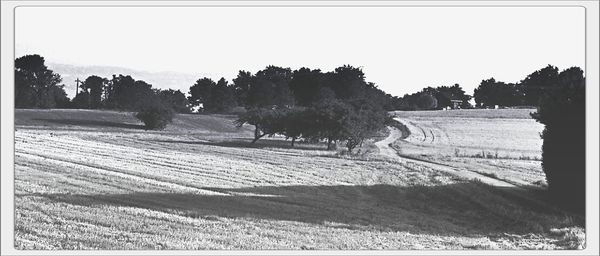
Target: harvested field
pixel 96 180
pixel 504 143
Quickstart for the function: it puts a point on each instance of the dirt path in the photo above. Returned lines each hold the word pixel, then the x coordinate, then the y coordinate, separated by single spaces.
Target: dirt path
pixel 395 134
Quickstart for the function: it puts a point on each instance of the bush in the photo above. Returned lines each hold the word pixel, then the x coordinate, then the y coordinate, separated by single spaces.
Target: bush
pixel 562 111
pixel 155 114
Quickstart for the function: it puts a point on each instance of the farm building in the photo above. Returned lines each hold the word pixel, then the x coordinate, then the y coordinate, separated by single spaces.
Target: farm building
pixel 456 104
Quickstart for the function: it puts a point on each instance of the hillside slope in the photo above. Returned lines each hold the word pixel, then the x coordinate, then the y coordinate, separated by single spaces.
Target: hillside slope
pixel 94 180
pixel 108 120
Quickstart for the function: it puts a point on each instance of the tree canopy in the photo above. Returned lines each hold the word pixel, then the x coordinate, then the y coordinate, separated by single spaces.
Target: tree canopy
pixel 36 86
pixel 333 106
pixel 562 111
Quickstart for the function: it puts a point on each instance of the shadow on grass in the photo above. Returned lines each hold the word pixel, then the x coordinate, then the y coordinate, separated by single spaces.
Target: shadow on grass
pixel 92 123
pixel 469 209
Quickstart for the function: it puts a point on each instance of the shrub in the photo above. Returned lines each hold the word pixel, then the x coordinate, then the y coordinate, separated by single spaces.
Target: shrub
pixel 562 111
pixel 155 114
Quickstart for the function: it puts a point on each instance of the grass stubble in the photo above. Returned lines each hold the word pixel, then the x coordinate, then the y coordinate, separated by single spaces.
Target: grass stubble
pixel 200 185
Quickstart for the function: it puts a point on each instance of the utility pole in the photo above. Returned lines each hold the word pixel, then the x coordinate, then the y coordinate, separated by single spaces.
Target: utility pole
pixel 77 81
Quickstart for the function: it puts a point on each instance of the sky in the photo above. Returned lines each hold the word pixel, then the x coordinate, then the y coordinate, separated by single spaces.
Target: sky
pixel 401 49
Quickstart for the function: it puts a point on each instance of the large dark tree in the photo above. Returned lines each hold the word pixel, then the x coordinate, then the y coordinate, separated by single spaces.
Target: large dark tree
pixel 305 85
pixel 347 82
pixel 536 83
pixel 36 86
pixel 562 111
pixel 270 87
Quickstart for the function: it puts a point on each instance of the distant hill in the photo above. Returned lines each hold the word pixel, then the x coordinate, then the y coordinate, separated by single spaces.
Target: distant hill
pixel 163 80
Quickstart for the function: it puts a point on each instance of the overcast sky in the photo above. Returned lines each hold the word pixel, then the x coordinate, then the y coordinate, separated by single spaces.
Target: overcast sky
pixel 401 49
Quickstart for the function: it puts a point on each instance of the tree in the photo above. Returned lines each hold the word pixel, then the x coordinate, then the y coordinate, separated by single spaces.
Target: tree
pixel 93 86
pixel 366 119
pixel 200 92
pixel 270 87
pixel 125 93
pixel 36 86
pixel 211 96
pixel 562 111
pixel 297 123
pixel 266 121
pixel 81 100
pixel 426 101
pixel 155 114
pixel 378 96
pixel 175 99
pixel 329 119
pixel 491 92
pixel 305 85
pixel 335 106
pixel 241 87
pixel 346 81
pixel 223 98
pixel 536 83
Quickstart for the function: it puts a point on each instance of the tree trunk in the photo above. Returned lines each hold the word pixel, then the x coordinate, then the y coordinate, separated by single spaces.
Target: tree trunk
pixel 256 138
pixel 293 140
pixel 328 143
pixel 257 135
pixel 256 132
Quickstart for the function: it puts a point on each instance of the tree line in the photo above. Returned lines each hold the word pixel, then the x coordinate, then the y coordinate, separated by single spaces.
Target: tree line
pixel 334 106
pixel 303 104
pixel 490 93
pixel 527 92
pixel 431 98
pixel 279 86
pixel 36 86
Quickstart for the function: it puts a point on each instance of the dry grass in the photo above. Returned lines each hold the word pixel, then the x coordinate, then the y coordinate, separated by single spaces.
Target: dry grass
pixel 471 113
pixel 504 143
pixel 200 185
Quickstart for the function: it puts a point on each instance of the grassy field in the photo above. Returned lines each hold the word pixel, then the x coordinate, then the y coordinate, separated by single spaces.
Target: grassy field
pixel 504 143
pixel 97 180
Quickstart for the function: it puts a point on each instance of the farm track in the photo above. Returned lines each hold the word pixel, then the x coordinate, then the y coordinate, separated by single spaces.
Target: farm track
pixel 395 134
pixel 104 187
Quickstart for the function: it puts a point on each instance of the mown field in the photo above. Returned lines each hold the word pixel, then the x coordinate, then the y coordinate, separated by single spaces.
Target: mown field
pixel 97 180
pixel 503 143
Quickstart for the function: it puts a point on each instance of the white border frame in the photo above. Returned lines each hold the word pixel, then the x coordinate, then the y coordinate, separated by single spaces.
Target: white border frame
pixel 7 120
